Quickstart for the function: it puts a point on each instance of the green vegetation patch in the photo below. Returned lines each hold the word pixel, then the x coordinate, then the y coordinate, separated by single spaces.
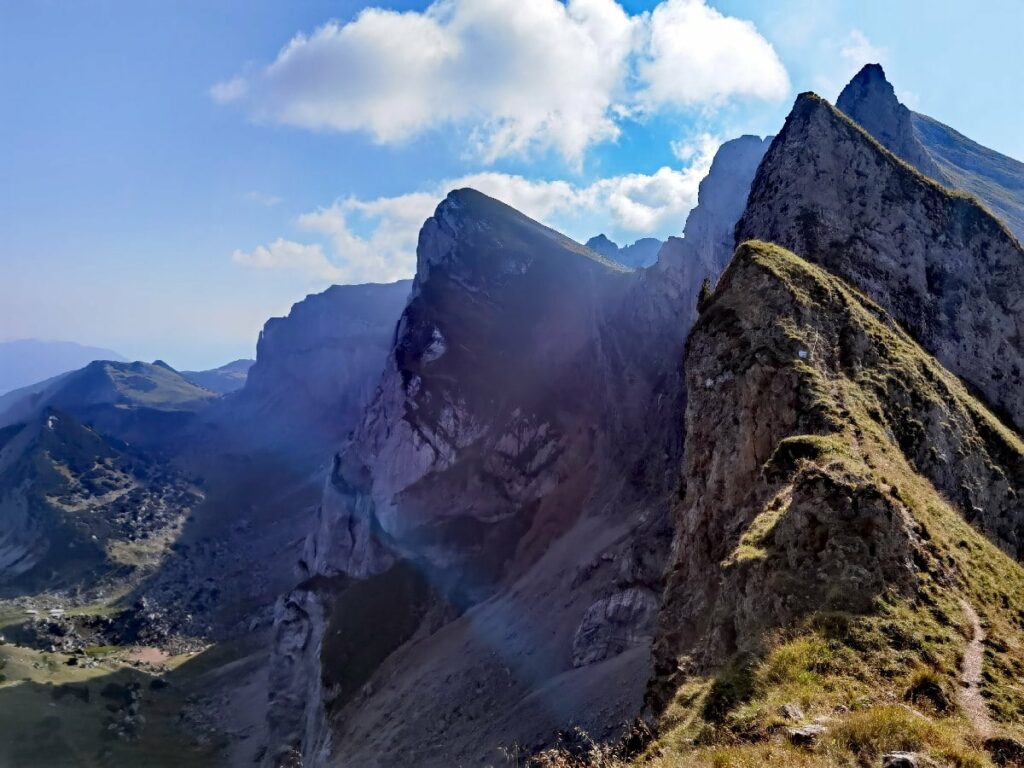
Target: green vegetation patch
pixel 367 621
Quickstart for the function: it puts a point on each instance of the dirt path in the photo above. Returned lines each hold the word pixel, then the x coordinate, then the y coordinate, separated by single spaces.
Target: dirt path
pixel 970 676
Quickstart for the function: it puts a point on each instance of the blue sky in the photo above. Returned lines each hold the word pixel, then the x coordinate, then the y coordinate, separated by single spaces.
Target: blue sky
pixel 169 179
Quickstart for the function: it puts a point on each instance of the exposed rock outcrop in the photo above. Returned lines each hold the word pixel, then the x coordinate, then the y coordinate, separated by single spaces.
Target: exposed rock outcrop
pixel 525 423
pixel 948 271
pixel 707 243
pixel 477 386
pixel 502 450
pixel 296 711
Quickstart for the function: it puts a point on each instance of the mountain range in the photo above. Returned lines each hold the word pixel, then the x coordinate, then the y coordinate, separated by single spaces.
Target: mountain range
pixel 748 495
pixel 25 362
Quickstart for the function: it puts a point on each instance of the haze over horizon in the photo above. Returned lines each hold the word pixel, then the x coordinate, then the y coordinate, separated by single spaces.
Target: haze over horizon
pixel 175 177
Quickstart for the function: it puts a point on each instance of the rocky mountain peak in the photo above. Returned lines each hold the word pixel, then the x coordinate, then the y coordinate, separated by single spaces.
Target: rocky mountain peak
pixel 947 270
pixel 870 100
pixel 480 243
pixel 642 253
pixel 601 243
pixel 528 379
pixel 473 364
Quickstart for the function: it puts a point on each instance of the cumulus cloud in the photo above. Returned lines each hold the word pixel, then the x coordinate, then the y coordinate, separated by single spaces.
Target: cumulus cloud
pixel 375 240
pixel 516 75
pixel 695 55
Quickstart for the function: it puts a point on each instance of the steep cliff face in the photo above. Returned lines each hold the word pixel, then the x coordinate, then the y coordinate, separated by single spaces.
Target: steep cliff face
pixel 316 369
pixel 936 150
pixel 842 491
pixel 480 398
pixel 936 260
pixel 512 461
pixel 263 452
pixel 707 243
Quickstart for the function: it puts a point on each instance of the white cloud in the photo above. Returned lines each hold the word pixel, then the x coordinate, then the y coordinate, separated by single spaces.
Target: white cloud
pixel 857 51
pixel 695 55
pixel 375 240
pixel 702 145
pixel 229 90
pixel 516 76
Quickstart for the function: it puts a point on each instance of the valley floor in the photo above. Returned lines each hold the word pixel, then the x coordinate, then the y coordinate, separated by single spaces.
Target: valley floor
pixel 129 706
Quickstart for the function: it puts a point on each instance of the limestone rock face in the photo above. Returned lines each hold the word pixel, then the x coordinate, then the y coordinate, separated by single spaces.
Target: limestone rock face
pixel 520 451
pixel 477 451
pixel 870 100
pixel 613 624
pixel 479 398
pixel 317 368
pixel 296 710
pixel 944 268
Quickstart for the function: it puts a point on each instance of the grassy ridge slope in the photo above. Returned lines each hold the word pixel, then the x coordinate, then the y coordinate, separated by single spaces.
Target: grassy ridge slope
pixel 819 439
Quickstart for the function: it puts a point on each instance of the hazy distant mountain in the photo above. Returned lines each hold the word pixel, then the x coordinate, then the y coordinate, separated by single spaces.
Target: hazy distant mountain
pixel 642 253
pixel 226 378
pixel 27 361
pixel 138 402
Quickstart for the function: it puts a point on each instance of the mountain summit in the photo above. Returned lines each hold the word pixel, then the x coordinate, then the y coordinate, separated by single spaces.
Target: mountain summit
pixel 934 149
pixel 870 100
pixel 937 260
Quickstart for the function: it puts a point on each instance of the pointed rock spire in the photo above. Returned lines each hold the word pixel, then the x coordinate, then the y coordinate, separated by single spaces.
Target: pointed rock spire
pixel 870 100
